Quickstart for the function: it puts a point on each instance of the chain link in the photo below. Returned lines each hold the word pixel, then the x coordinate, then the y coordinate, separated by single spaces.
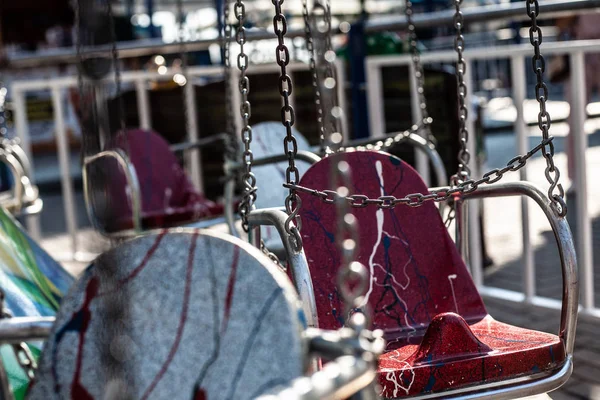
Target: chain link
pixel 426 120
pixel 437 195
pixel 248 178
pixel 314 75
pixel 538 63
pixel 293 203
pixel 231 144
pixel 464 157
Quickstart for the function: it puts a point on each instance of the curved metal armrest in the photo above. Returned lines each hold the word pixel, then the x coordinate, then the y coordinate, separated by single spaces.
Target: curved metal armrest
pixel 296 259
pixel 132 182
pixel 566 249
pixel 179 147
pixel 14 203
pixel 25 329
pixel 339 379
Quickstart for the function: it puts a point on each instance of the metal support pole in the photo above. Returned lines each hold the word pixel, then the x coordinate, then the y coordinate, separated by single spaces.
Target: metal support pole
pixel 22 132
pixel 65 170
pixel 194 162
pixel 375 100
pixel 422 161
pixel 584 227
pixel 519 85
pixel 475 234
pixel 143 104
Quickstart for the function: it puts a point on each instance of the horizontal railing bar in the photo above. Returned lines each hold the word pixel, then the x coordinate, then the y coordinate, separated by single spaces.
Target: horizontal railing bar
pixel 512 11
pixel 132 76
pixel 494 52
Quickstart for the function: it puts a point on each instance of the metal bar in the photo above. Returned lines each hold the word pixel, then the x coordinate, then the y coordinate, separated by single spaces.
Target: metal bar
pixel 375 99
pixel 22 130
pixel 417 116
pixel 143 104
pixel 564 243
pixel 584 227
pixel 341 98
pixel 193 158
pixel 519 85
pixel 475 234
pixel 512 11
pixel 25 329
pixel 509 11
pixel 65 170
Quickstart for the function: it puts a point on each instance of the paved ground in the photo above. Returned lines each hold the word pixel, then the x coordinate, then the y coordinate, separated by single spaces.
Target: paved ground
pixel 503 237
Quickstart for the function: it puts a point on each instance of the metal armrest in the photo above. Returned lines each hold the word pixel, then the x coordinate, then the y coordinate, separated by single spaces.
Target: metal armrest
pixel 180 147
pixel 566 249
pixel 25 329
pixel 296 259
pixel 132 182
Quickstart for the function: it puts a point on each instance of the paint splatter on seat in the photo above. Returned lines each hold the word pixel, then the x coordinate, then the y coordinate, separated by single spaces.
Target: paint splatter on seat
pixel 439 333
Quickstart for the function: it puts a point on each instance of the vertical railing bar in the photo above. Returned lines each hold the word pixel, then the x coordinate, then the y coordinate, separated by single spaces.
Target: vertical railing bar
pixel 584 228
pixel 475 256
pixel 422 162
pixel 193 161
pixel 22 132
pixel 375 102
pixel 65 168
pixel 519 87
pixel 143 104
pixel 341 94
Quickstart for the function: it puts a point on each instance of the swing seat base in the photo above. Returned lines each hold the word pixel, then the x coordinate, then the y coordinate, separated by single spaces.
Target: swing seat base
pixel 453 354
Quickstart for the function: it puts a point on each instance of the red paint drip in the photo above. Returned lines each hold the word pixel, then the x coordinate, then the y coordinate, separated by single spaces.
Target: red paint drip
pixel 182 320
pixel 230 287
pixel 200 394
pixel 77 389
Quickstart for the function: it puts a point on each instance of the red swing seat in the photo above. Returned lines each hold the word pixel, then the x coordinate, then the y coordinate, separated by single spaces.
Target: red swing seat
pixel 168 197
pixel 439 333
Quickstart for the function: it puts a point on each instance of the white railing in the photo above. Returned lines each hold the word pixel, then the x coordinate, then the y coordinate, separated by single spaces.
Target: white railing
pixel 140 80
pixel 520 58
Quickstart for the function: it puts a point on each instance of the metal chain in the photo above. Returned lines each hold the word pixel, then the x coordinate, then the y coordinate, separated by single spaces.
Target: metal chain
pixel 293 203
pixel 22 352
pixel 437 195
pixel 314 74
pixel 352 277
pixel 426 120
pixel 116 66
pixel 248 178
pixel 464 157
pixel 231 144
pixel 555 192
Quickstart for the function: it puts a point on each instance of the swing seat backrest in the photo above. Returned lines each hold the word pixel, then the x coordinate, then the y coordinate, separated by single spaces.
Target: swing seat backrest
pixel 188 314
pixel 33 284
pixel 421 294
pixel 266 141
pixel 168 197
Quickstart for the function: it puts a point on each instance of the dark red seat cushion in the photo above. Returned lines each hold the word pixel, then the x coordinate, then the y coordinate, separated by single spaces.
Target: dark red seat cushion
pixel 168 197
pixel 421 294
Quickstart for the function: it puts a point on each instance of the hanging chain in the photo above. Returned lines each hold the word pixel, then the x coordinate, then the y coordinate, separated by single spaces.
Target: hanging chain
pixel 352 278
pixel 426 120
pixel 22 352
pixel 314 74
pixel 555 192
pixel 231 144
pixel 249 180
pixel 464 157
pixel 116 65
pixel 293 203
pixel 437 195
